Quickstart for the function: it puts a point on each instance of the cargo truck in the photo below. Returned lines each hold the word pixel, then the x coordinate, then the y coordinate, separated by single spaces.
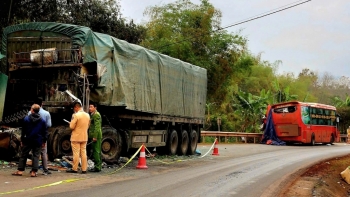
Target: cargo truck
pixel 144 97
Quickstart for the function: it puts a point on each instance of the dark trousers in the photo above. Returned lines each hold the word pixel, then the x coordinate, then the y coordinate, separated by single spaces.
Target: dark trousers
pixel 44 157
pixel 25 149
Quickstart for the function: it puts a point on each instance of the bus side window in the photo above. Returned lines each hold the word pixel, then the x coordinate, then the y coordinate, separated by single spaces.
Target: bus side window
pixel 329 122
pixel 321 121
pixel 320 111
pixel 327 112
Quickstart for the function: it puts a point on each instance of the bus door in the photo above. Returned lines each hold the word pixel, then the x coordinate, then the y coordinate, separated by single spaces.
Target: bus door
pixel 316 122
pixel 306 127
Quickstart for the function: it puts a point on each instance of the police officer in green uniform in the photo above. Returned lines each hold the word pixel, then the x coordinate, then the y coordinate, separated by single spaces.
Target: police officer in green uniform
pixel 95 135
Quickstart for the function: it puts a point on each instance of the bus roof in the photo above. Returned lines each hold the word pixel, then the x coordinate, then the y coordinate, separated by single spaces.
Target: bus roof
pixel 317 105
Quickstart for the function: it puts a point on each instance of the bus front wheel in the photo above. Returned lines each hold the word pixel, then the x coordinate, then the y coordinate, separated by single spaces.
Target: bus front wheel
pixel 332 139
pixel 312 140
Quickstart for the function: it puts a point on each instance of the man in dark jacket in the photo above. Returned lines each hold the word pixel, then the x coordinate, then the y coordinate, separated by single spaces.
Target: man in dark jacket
pixel 47 117
pixel 33 138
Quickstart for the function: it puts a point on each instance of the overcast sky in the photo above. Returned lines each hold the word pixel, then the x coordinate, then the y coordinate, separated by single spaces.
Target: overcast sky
pixel 313 35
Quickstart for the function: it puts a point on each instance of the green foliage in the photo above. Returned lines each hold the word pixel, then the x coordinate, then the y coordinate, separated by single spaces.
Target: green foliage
pixel 190 32
pixel 249 109
pixel 240 84
pixel 208 139
pixel 338 102
pixel 258 77
pixel 283 94
pixel 100 15
pixel 344 113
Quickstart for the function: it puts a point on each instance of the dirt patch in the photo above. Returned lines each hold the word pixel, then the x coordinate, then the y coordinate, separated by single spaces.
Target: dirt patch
pixel 322 179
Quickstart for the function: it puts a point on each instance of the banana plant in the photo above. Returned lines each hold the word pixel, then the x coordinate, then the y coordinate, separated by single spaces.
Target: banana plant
pixel 338 102
pixel 283 95
pixel 208 123
pixel 249 108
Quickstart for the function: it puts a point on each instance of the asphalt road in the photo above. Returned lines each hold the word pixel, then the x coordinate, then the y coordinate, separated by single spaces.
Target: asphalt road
pixel 240 170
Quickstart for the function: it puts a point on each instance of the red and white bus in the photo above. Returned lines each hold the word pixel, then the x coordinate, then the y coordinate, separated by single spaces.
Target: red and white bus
pixel 307 123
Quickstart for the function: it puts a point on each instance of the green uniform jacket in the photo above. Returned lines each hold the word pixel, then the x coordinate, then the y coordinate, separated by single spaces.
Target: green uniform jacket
pixel 95 129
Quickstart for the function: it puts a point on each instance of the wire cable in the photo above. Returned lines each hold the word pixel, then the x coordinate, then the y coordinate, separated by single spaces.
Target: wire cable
pixel 274 11
pixel 263 15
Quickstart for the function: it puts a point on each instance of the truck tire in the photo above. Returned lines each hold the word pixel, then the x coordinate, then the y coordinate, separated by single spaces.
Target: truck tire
pixel 50 147
pixel 112 144
pixel 192 146
pixel 183 143
pixel 61 143
pixel 172 143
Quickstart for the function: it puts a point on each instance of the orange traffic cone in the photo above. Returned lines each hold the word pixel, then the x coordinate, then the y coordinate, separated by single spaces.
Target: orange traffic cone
pixel 216 150
pixel 142 159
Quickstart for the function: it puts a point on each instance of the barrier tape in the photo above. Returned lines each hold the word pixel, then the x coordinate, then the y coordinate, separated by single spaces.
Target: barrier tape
pixel 126 162
pixel 183 160
pixel 162 161
pixel 43 186
pixel 69 180
pixel 74 180
pixel 209 149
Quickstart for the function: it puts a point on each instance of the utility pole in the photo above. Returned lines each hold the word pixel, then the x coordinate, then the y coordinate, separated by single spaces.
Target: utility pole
pixel 8 19
pixel 219 122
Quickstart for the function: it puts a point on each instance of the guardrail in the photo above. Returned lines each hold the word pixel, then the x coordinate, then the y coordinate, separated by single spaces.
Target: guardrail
pixel 238 135
pixel 343 137
pixel 255 136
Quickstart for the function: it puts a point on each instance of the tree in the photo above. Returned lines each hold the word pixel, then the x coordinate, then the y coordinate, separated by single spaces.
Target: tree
pixel 283 94
pixel 249 109
pixel 102 16
pixel 190 32
pixel 338 102
pixel 259 77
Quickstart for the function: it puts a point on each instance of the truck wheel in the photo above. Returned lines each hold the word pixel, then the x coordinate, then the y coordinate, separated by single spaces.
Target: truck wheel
pixel 61 142
pixel 193 142
pixel 111 146
pixel 183 141
pixel 173 142
pixel 50 148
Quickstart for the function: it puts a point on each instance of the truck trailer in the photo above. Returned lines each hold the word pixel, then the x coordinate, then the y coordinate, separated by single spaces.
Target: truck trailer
pixel 144 97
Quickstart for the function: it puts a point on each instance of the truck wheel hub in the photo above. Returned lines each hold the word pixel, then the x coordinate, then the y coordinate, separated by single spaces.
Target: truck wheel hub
pixel 66 145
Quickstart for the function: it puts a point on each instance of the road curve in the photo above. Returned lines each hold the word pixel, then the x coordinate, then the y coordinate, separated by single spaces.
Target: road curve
pixel 240 170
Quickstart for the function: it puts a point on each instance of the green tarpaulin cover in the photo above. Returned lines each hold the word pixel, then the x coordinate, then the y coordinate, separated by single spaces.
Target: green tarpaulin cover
pixel 135 77
pixel 3 84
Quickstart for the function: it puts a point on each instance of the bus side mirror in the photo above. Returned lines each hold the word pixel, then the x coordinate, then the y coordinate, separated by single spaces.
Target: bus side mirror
pixel 338 119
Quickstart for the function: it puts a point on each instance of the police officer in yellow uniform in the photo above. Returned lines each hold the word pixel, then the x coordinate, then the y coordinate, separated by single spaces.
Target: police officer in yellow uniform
pixel 79 125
